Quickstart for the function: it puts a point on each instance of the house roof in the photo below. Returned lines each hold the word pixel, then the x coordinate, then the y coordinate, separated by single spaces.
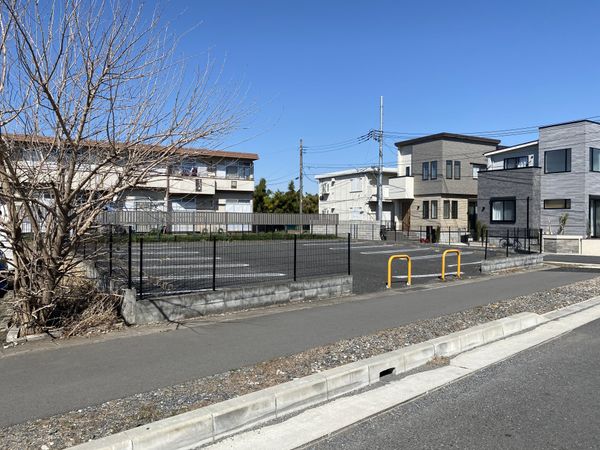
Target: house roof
pixel 510 149
pixel 388 170
pixel 568 123
pixel 448 137
pixel 184 151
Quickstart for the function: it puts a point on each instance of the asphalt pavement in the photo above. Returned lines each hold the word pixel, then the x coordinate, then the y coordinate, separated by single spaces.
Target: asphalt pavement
pixel 43 383
pixel 547 397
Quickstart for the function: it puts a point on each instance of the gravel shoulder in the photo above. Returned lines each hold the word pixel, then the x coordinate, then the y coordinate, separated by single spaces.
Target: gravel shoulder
pixel 93 422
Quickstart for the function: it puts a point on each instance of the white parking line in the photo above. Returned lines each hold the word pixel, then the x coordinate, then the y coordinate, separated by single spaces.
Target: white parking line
pixel 219 275
pixel 193 267
pixel 396 250
pixel 360 247
pixel 425 275
pixel 465 264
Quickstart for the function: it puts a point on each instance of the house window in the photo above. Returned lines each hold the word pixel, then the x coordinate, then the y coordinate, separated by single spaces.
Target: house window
pixel 199 185
pixel 426 209
pixel 557 203
pixel 477 168
pixel 434 170
pixel 556 161
pixel 516 162
pixel 355 185
pixel 434 206
pixel 595 159
pixel 457 170
pixel 425 171
pixel 454 209
pixel 446 209
pixel 503 210
pixel 449 169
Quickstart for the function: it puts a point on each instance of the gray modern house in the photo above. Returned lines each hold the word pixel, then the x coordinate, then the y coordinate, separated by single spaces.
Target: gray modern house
pixel 537 183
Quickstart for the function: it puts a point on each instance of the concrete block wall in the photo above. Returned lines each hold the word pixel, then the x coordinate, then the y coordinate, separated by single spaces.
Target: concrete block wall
pixel 562 244
pixel 196 304
pixel 494 265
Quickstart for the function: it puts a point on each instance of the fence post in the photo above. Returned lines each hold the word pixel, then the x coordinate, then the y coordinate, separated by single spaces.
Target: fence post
pixel 507 240
pixel 129 280
pixel 487 232
pixel 295 254
pixel 110 251
pixel 214 264
pixel 348 253
pixel 141 267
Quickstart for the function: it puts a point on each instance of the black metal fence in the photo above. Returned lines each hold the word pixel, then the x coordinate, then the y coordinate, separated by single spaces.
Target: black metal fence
pixel 515 240
pixel 175 264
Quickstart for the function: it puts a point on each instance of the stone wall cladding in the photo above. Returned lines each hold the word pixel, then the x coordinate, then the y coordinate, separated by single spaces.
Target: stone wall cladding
pixel 197 304
pixel 495 265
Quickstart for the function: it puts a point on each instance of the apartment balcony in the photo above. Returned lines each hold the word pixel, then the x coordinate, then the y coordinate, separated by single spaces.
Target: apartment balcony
pixel 401 188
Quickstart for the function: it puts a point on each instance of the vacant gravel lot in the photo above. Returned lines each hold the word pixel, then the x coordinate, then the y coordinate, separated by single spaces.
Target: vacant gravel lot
pixel 96 421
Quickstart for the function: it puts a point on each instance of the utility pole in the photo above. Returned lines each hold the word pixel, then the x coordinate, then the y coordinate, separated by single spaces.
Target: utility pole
pixel 379 215
pixel 301 181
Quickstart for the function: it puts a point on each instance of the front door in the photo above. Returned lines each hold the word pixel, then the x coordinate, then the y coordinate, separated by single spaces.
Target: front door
pixel 472 213
pixel 595 217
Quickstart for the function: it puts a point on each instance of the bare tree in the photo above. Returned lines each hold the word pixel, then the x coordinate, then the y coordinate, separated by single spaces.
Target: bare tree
pixel 92 103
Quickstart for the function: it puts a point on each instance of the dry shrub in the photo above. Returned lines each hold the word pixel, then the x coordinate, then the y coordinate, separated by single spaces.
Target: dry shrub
pixel 82 309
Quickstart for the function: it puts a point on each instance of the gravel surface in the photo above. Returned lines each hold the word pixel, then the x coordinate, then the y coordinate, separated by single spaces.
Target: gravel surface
pixel 93 422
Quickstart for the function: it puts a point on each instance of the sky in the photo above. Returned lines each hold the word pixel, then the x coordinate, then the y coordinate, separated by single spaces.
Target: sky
pixel 316 70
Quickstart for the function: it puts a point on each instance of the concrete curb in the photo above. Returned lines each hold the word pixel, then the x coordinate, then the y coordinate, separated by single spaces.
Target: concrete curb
pixel 324 420
pixel 205 425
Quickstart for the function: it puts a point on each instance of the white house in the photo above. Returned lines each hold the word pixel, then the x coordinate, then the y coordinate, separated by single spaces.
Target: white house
pixel 352 194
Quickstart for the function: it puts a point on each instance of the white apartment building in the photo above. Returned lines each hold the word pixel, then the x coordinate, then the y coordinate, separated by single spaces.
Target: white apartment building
pixel 352 194
pixel 204 180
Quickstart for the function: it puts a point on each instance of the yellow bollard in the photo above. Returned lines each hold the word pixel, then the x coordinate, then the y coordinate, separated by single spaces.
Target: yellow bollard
pixel 451 250
pixel 389 277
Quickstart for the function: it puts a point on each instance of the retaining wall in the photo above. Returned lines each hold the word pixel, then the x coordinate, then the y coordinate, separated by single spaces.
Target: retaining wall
pixel 494 265
pixel 562 244
pixel 186 306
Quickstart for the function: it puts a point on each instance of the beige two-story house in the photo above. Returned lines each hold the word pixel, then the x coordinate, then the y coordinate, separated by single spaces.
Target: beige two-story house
pixel 437 182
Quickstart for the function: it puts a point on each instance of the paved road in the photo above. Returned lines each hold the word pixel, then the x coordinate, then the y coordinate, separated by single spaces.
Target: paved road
pixel 547 397
pixel 59 380
pixel 579 259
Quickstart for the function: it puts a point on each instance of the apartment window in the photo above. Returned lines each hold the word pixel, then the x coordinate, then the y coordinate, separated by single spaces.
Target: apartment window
pixel 446 209
pixel 556 161
pixel 595 159
pixel 449 169
pixel 557 203
pixel 355 185
pixel 426 209
pixel 516 162
pixel 434 170
pixel 477 168
pixel 457 170
pixel 211 170
pixel 503 210
pixel 454 209
pixel 425 171
pixel 434 206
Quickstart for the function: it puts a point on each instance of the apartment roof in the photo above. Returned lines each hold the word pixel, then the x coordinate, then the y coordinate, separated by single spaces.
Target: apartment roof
pixel 388 170
pixel 448 137
pixel 510 149
pixel 184 151
pixel 568 123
